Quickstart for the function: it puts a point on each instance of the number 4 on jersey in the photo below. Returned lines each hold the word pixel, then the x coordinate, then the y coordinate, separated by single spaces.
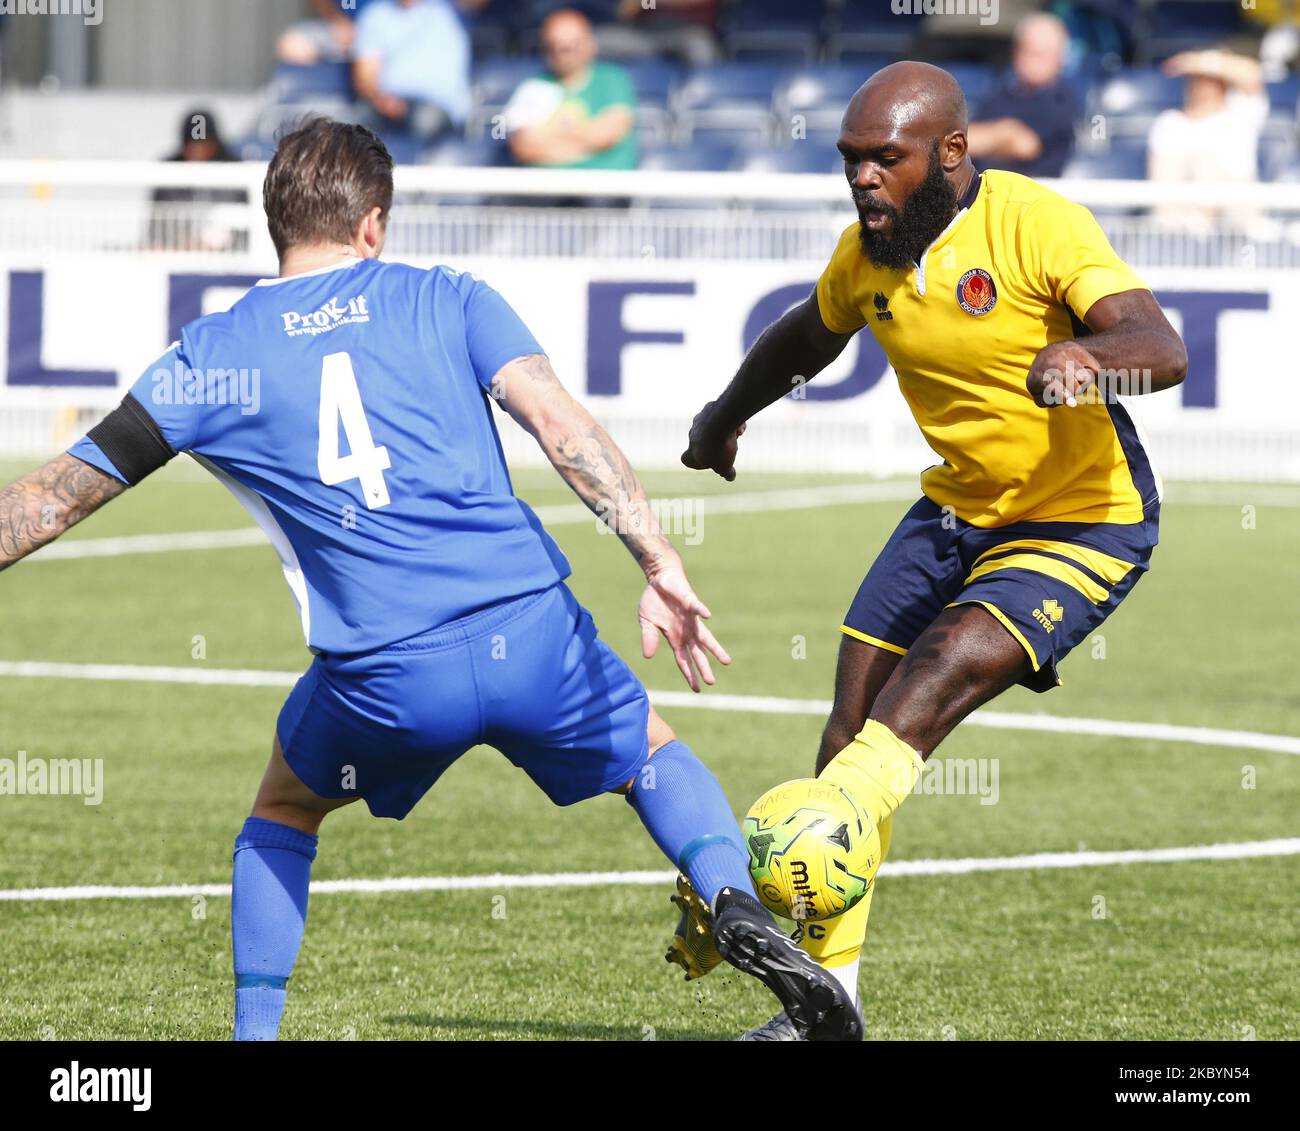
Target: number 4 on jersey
pixel 340 402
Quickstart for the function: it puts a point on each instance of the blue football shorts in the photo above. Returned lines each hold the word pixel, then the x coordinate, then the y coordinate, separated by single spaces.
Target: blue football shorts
pixel 1050 584
pixel 529 677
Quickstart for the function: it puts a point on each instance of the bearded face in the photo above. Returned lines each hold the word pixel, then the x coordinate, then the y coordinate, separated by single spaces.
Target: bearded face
pixel 897 237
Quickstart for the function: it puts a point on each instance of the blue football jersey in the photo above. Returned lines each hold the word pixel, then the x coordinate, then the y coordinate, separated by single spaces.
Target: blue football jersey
pixel 348 410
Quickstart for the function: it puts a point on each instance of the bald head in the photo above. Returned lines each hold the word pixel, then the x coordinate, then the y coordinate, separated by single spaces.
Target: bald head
pixel 903 139
pixel 1041 49
pixel 918 98
pixel 568 43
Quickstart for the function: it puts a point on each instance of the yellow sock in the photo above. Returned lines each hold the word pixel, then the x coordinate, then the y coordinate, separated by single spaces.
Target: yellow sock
pixel 838 942
pixel 878 769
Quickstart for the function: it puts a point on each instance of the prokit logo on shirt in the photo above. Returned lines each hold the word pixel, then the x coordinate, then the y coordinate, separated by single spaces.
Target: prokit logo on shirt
pixel 329 317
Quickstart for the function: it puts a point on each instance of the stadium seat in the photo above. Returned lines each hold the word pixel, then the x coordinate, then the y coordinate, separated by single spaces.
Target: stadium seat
pixel 1209 18
pixel 1141 91
pixel 735 127
pixel 826 138
pixel 701 156
pixel 654 127
pixel 1120 163
pixel 1289 174
pixel 482 152
pixel 493 82
pixel 731 99
pixel 1181 25
pixel 654 80
pixel 774 29
pixel 725 85
pixel 405 149
pixel 491 29
pixel 1276 152
pixel 1284 99
pixel 862 29
pixel 279 117
pixel 801 157
pixel 1092 73
pixel 977 80
pixel 821 93
pixel 1129 102
pixel 293 83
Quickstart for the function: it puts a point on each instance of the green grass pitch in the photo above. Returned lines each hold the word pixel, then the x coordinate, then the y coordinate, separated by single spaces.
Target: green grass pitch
pixel 1181 950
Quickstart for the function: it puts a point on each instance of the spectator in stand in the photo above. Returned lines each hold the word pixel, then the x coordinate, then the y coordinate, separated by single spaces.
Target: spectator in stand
pixel 1213 138
pixel 684 29
pixel 411 66
pixel 1026 125
pixel 580 114
pixel 193 219
pixel 327 38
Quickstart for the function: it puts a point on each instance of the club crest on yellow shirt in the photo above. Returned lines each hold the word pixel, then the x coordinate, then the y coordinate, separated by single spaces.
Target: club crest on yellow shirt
pixel 975 291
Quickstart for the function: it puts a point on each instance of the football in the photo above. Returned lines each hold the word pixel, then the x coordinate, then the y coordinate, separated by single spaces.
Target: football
pixel 813 852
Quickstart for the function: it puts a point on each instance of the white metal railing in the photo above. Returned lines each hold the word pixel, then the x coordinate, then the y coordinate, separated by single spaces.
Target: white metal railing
pixel 825 188
pixel 70 206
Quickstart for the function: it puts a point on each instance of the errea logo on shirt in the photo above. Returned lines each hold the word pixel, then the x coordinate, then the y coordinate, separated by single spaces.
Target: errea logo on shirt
pixel 329 317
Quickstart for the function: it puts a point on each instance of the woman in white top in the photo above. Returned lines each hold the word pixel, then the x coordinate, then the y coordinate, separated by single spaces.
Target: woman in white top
pixel 1213 138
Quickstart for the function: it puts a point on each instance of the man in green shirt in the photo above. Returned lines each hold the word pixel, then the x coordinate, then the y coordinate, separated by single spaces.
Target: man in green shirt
pixel 580 114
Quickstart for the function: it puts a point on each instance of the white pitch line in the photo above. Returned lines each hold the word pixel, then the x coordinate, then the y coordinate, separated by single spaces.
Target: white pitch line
pixel 1153 732
pixel 1001 720
pixel 151 544
pixel 142 673
pixel 564 514
pixel 686 700
pixel 1240 850
pixel 1243 850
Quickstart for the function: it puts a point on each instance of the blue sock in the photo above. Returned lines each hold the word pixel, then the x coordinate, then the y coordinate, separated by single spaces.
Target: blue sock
pixel 682 805
pixel 268 912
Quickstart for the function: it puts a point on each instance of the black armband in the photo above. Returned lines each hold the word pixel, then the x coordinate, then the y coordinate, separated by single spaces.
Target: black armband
pixel 132 440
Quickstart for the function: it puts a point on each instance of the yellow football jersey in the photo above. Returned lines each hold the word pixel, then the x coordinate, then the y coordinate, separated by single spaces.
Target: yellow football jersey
pixel 961 333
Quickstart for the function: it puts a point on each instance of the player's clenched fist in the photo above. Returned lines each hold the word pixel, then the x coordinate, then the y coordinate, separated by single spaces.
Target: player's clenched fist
pixel 711 448
pixel 1061 373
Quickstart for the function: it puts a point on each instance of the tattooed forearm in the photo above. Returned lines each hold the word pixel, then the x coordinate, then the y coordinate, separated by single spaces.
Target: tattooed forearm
pixel 592 464
pixel 42 504
pixel 585 456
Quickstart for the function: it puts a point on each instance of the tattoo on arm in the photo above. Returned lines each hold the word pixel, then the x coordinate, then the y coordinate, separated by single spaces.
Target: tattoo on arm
pixel 589 460
pixel 44 503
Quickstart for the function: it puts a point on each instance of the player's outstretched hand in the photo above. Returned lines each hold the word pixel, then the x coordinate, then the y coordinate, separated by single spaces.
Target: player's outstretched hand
pixel 1061 374
pixel 669 606
pixel 708 449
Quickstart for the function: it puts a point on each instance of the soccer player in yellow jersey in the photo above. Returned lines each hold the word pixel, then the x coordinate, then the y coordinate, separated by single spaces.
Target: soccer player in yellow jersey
pixel 1011 323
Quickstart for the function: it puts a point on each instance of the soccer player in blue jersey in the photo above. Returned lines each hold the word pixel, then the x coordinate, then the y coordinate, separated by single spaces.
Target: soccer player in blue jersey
pixel 432 598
